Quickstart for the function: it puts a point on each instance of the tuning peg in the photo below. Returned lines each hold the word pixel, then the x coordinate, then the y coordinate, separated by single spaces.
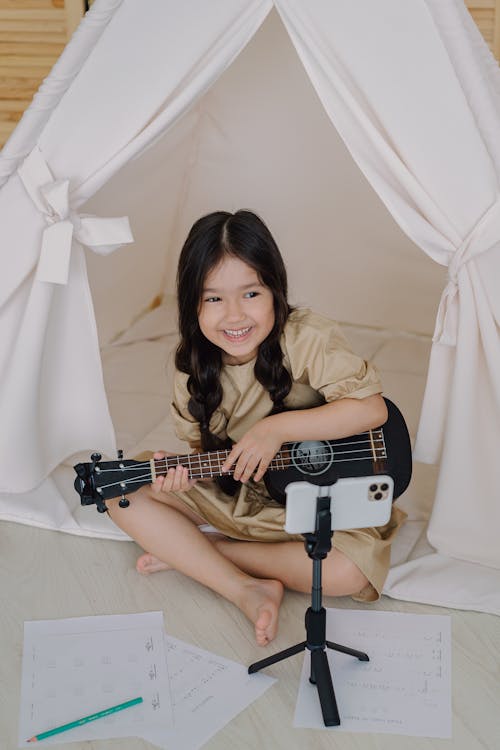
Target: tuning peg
pixel 120 455
pixel 124 503
pixel 96 457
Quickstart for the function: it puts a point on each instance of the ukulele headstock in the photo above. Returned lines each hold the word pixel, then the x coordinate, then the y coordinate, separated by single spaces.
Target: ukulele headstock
pixel 97 482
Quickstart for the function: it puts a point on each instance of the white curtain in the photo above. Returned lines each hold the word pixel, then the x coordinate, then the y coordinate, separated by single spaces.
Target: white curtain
pixel 111 105
pixel 420 122
pixel 424 131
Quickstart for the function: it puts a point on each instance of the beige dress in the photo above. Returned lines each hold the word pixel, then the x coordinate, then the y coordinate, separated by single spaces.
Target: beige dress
pixel 323 368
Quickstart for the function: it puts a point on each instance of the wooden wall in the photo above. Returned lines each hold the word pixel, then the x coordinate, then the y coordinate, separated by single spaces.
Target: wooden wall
pixel 33 34
pixel 486 14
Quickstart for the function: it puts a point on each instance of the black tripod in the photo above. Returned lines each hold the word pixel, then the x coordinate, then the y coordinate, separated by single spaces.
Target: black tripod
pixel 317 545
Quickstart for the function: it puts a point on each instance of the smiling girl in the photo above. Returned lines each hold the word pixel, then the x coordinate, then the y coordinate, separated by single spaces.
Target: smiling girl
pixel 253 371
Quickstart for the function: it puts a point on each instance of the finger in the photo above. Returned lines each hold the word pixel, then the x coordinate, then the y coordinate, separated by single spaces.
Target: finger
pixel 228 463
pixel 230 460
pixel 159 454
pixel 180 478
pixel 264 463
pixel 168 481
pixel 240 466
pixel 245 467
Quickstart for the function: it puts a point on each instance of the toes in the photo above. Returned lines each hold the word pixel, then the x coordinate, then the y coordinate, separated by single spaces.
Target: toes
pixel 147 564
pixel 263 628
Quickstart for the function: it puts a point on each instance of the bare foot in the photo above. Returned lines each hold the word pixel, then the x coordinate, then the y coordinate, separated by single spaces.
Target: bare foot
pixel 261 602
pixel 148 563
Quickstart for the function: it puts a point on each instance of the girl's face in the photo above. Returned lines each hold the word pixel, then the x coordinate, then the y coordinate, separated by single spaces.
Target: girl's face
pixel 236 311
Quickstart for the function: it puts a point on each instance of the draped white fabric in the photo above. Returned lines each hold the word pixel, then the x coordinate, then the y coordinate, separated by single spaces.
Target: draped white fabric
pixel 405 116
pixel 420 123
pixel 52 396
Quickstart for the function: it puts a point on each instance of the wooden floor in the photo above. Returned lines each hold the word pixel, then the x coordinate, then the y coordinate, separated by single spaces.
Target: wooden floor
pixel 47 575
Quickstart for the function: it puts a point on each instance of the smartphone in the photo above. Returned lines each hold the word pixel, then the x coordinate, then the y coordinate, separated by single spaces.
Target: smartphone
pixel 356 502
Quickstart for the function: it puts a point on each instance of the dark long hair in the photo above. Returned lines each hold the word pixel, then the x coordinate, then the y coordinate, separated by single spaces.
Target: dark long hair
pixel 245 236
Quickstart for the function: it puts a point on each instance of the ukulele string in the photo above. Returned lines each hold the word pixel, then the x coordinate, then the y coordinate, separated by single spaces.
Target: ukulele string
pixel 203 474
pixel 172 461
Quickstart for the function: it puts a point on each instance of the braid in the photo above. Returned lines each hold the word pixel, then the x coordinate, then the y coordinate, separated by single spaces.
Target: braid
pixel 205 390
pixel 272 374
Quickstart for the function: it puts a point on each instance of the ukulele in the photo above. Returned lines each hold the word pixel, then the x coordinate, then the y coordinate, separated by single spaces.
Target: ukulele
pixel 385 450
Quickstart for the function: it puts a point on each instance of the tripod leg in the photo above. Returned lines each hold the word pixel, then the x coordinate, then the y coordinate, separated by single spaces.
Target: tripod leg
pixel 321 671
pixel 346 650
pixel 277 657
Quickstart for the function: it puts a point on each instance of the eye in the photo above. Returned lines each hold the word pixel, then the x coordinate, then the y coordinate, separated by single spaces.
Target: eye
pixel 251 295
pixel 212 299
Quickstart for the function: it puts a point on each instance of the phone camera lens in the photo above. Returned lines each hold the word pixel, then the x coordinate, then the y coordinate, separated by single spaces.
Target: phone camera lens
pixel 378 496
pixel 384 487
pixel 373 487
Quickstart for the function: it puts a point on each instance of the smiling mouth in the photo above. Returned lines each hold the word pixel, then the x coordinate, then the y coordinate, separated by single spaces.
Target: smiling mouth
pixel 237 333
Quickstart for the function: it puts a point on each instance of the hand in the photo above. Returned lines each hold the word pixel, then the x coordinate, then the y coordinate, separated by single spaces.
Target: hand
pixel 175 480
pixel 254 452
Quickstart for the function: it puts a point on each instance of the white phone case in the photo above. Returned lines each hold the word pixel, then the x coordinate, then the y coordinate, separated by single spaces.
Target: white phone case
pixel 356 502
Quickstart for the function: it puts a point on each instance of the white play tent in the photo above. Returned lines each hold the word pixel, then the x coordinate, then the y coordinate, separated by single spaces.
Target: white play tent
pixel 363 133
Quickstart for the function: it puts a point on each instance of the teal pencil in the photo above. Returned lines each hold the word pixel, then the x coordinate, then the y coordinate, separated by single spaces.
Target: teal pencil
pixel 85 720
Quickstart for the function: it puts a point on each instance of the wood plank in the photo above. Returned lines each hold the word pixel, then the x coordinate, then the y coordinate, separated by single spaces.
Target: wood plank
pixel 40 26
pixel 19 88
pixel 26 61
pixel 41 14
pixel 30 4
pixel 26 36
pixel 496 31
pixel 13 105
pixel 51 50
pixel 35 72
pixel 473 4
pixel 483 15
pixel 10 116
pixel 6 129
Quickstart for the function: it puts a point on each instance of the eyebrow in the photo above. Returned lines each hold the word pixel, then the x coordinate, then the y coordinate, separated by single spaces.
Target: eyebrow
pixel 240 288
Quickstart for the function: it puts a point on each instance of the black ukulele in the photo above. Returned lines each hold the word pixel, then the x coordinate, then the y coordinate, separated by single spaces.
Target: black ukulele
pixel 385 450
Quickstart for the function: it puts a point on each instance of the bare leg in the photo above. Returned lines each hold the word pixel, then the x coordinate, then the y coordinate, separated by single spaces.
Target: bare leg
pixel 148 563
pixel 288 562
pixel 167 533
pixel 283 561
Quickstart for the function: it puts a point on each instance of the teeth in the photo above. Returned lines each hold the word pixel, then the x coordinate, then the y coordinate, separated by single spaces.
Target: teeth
pixel 241 332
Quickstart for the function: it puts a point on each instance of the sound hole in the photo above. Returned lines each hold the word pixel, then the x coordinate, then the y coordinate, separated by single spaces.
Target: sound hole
pixel 312 457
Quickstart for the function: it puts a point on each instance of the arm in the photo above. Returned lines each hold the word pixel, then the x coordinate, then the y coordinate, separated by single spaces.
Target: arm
pixel 336 419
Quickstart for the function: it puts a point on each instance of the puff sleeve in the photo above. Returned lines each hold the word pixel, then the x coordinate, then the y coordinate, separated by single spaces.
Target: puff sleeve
pixel 319 355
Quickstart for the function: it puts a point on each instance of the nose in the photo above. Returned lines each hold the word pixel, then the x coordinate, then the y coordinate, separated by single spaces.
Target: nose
pixel 234 311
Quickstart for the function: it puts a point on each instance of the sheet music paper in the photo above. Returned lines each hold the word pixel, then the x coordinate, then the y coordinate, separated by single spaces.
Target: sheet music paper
pixel 207 692
pixel 405 688
pixel 75 667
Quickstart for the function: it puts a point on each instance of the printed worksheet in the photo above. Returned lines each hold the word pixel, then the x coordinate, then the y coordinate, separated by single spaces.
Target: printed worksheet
pixel 405 688
pixel 76 667
pixel 207 692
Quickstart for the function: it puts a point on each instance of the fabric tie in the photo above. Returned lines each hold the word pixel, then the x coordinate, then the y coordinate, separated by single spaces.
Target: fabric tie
pixel 483 237
pixel 51 197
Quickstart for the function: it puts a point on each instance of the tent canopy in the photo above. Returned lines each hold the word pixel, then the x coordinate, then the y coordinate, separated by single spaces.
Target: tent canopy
pixel 135 122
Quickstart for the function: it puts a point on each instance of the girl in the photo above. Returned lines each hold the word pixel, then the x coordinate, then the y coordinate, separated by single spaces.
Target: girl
pixel 244 357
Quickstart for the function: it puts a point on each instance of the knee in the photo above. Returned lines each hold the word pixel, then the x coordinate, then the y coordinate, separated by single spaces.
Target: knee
pixel 341 576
